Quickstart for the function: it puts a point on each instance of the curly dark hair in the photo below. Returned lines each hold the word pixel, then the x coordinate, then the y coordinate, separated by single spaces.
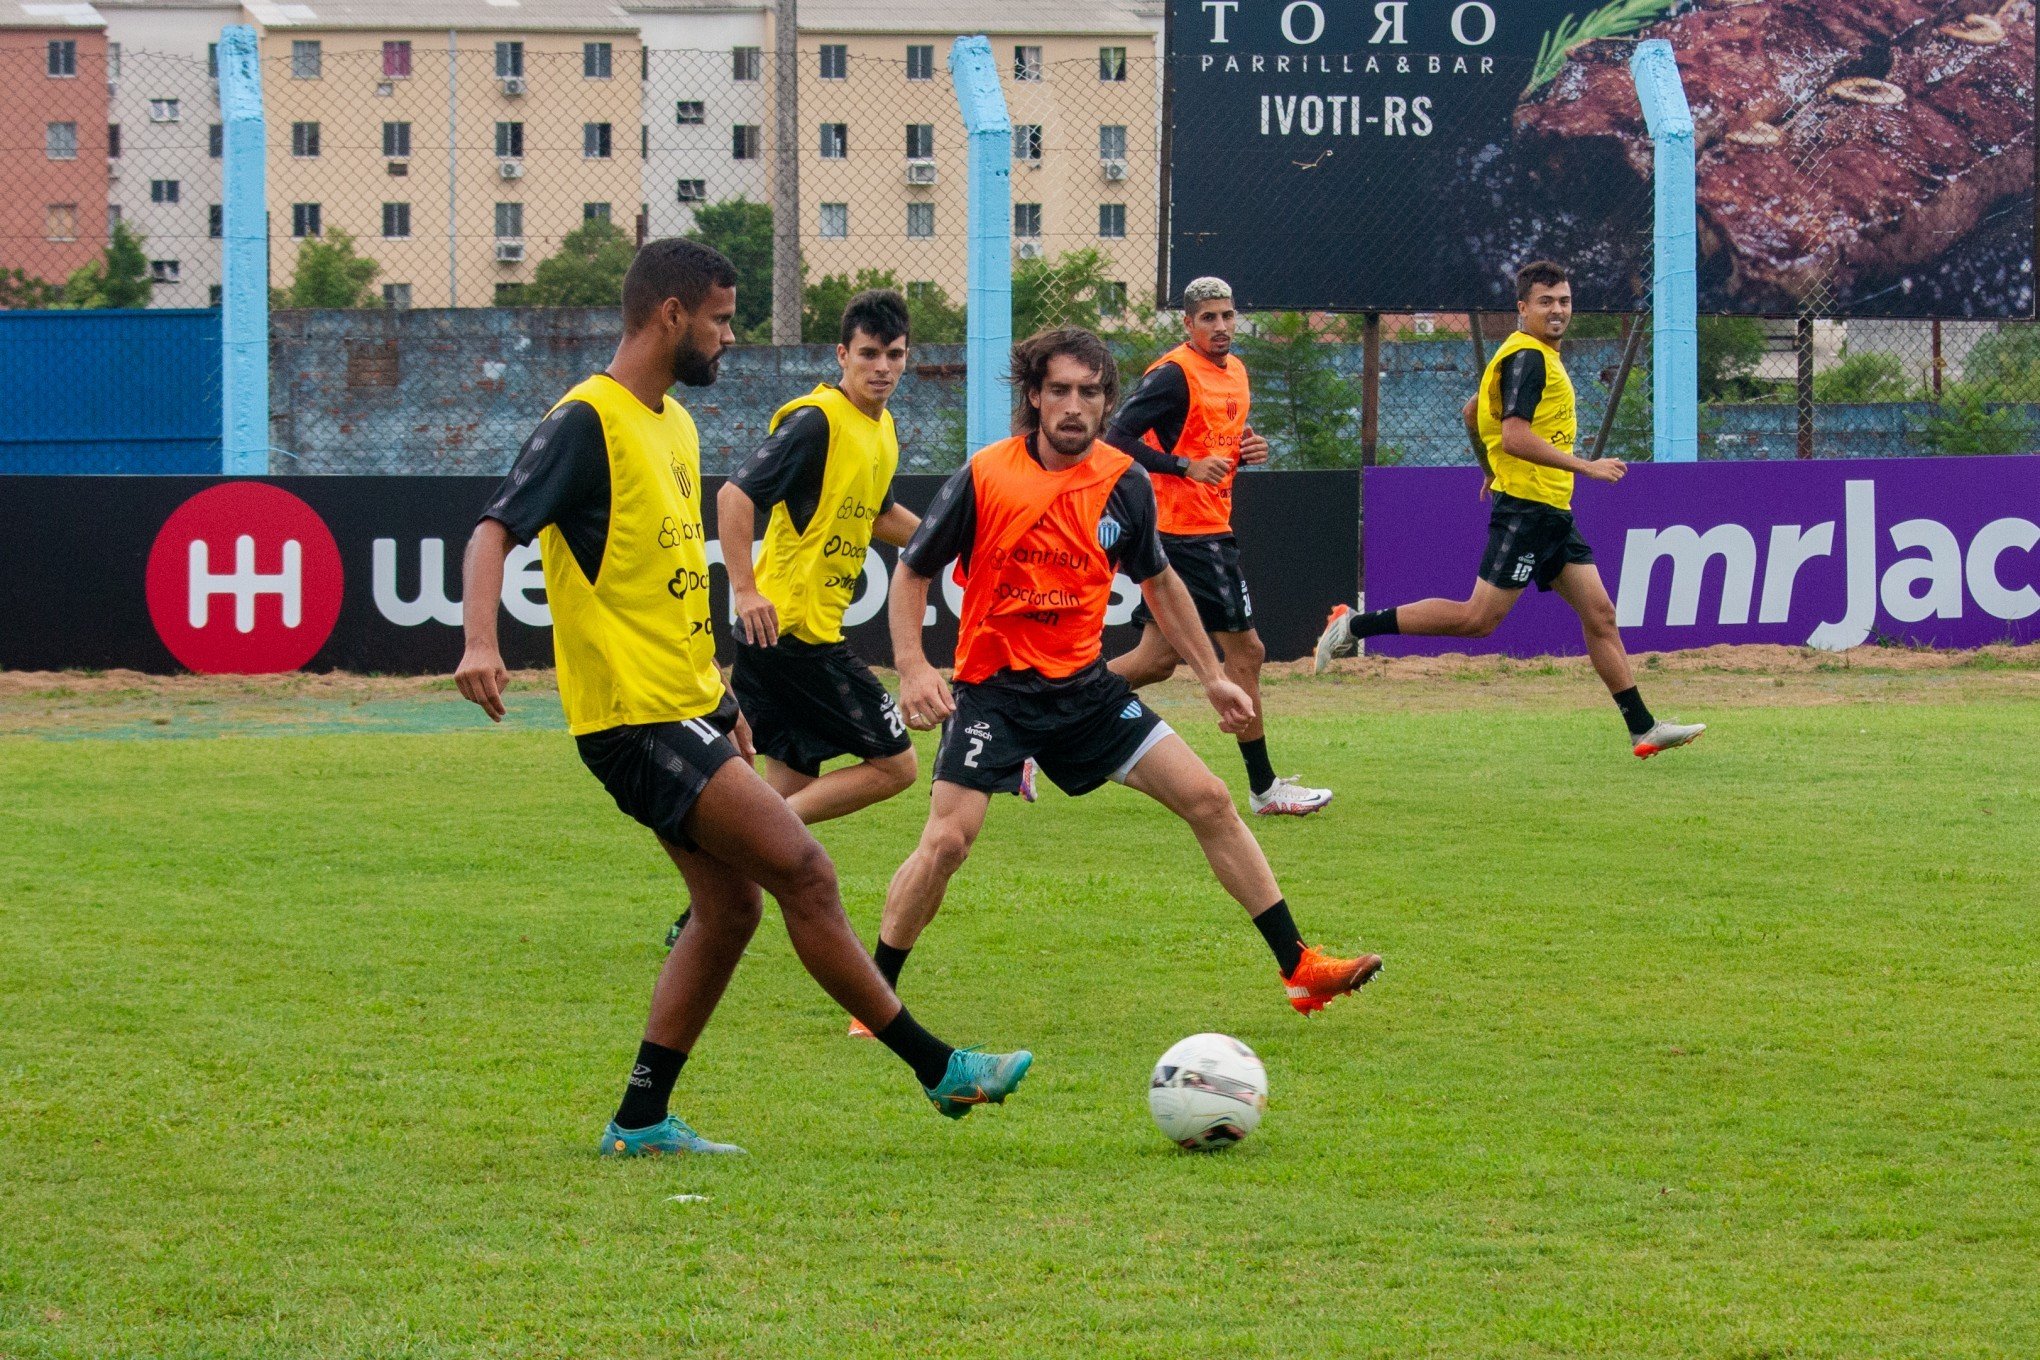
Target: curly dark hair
pixel 1537 274
pixel 1030 369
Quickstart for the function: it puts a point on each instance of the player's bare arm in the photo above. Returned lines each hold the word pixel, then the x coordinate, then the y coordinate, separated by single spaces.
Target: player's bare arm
pixel 736 525
pixel 925 699
pixel 895 526
pixel 1176 615
pixel 481 677
pixel 1520 441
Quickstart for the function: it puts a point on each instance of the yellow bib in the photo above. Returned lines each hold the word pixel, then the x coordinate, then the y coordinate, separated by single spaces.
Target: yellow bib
pixel 635 646
pixel 1554 422
pixel 811 575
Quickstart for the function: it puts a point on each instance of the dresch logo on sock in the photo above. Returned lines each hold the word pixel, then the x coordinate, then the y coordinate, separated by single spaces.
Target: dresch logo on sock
pixel 244 579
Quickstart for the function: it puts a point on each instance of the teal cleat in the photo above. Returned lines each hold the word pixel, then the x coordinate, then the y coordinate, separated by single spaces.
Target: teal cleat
pixel 669 1136
pixel 976 1078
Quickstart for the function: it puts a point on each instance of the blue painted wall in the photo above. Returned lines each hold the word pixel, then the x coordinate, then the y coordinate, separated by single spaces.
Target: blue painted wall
pixel 110 391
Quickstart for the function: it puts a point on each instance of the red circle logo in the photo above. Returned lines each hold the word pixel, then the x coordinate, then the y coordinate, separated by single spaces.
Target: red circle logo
pixel 244 579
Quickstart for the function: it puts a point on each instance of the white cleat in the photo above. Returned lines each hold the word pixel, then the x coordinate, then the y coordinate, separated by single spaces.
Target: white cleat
pixel 1664 736
pixel 1029 789
pixel 1288 798
pixel 1337 640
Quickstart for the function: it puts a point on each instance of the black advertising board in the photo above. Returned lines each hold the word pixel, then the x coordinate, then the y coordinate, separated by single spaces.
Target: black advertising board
pixel 161 574
pixel 1868 158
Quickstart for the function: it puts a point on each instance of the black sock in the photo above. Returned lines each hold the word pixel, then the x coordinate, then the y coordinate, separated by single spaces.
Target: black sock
pixel 1634 713
pixel 1374 623
pixel 1279 931
pixel 890 961
pixel 1260 774
pixel 680 923
pixel 920 1050
pixel 650 1086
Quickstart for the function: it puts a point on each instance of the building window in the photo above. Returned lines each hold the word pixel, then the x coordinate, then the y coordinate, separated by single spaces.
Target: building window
pixel 215 221
pixel 112 62
pixel 835 61
pixel 212 295
pixel 163 271
pixel 1112 221
pixel 396 296
pixel 1112 299
pixel 509 60
pixel 744 142
pixel 835 221
pixel 63 57
pixel 1026 141
pixel 60 141
pixel 1027 220
pixel 509 295
pixel 644 142
pixel 747 63
pixel 163 111
pixel 509 221
pixel 112 219
pixel 396 221
pixel 60 222
pixel 1026 63
pixel 510 141
pixel 307 59
pixel 304 219
pixel 595 141
pixel 1112 63
pixel 920 61
pixel 304 140
pixel 396 140
pixel 396 60
pixel 595 212
pixel 216 140
pixel 920 220
pixel 692 190
pixel 212 60
pixel 113 141
pixel 920 141
pixel 1112 142
pixel 595 61
pixel 690 112
pixel 165 191
pixel 835 141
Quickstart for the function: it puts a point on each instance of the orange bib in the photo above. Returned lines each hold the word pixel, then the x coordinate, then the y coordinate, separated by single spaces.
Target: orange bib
pixel 1039 579
pixel 1217 418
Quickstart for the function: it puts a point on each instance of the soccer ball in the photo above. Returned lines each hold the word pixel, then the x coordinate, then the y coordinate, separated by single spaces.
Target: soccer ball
pixel 1208 1092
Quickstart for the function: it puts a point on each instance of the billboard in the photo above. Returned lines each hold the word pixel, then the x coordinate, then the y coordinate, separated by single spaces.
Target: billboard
pixel 213 575
pixel 1866 158
pixel 1941 552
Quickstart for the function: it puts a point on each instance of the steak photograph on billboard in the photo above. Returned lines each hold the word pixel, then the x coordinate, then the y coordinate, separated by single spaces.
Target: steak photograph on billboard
pixel 1866 158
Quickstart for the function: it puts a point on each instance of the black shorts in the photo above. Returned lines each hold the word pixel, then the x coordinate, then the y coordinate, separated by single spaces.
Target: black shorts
pixel 656 771
pixel 1210 567
pixel 1529 541
pixel 808 702
pixel 1088 730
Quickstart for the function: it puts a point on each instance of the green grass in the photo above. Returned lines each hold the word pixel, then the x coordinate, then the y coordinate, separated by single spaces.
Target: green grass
pixel 305 1041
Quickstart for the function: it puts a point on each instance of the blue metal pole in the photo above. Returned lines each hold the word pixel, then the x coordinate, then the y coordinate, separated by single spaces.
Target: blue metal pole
pixel 1675 308
pixel 244 290
pixel 989 275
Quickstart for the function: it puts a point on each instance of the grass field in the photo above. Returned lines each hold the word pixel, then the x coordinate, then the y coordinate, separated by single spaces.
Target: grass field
pixel 307 1029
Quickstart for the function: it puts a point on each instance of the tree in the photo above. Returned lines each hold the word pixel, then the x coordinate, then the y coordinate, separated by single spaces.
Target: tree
pixel 1304 406
pixel 935 319
pixel 1864 377
pixel 21 291
pixel 119 278
pixel 1069 290
pixel 586 271
pixel 2005 365
pixel 742 230
pixel 329 274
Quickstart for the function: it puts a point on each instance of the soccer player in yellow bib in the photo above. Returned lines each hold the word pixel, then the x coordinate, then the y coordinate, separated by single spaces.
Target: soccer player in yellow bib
pixel 610 485
pixel 1523 425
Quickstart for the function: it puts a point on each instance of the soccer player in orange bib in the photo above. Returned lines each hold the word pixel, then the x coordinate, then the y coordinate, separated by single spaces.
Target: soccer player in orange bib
pixel 1043 521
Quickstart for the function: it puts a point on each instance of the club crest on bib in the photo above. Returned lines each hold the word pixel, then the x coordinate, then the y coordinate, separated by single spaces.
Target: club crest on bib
pixel 1109 530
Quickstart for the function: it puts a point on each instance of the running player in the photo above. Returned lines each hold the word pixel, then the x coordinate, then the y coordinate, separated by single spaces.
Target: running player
pixel 1186 423
pixel 1043 521
pixel 824 474
pixel 1522 424
pixel 610 483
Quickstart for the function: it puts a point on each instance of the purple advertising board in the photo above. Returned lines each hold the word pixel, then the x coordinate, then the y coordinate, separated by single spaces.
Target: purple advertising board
pixel 1832 554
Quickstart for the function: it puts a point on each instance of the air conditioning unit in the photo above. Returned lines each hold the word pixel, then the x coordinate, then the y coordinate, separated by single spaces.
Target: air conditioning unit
pixel 513 85
pixel 113 169
pixel 399 166
pixel 1030 250
pixel 1114 169
pixel 384 89
pixel 509 252
pixel 920 172
pixel 511 169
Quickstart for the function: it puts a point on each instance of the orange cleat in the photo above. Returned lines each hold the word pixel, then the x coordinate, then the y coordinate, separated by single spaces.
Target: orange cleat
pixel 1319 978
pixel 859 1030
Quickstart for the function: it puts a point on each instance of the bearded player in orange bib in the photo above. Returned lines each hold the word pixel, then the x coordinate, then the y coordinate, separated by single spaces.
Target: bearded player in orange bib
pixel 1043 521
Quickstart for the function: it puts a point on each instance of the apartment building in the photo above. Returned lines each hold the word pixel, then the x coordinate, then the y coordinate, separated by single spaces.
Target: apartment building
pixel 708 115
pixel 457 141
pixel 164 140
pixel 53 68
pixel 882 142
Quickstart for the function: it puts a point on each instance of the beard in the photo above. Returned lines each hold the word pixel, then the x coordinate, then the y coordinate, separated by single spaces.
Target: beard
pixel 692 368
pixel 1069 443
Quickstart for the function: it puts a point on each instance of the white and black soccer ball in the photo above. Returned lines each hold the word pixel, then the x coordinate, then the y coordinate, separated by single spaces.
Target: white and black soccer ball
pixel 1207 1092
